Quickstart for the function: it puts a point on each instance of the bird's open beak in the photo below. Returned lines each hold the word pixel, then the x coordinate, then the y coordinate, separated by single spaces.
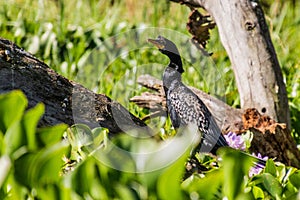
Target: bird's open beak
pixel 157 43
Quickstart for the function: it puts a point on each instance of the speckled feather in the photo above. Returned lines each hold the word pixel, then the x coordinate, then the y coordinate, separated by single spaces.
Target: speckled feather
pixel 185 107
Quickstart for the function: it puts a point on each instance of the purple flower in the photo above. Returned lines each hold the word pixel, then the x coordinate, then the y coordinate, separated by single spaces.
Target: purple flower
pixel 257 169
pixel 235 141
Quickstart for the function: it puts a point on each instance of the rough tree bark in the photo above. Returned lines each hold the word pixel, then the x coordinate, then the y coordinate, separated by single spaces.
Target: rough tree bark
pixel 245 36
pixel 65 101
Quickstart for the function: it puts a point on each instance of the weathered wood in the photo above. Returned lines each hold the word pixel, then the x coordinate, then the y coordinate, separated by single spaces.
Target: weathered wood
pixel 245 36
pixel 65 101
pixel 270 138
pixel 280 146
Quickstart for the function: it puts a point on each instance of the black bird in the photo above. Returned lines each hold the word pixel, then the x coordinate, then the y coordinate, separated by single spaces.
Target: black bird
pixel 184 106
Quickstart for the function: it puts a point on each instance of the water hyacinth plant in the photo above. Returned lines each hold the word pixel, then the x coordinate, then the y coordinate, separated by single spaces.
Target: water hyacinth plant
pixel 235 141
pixel 239 142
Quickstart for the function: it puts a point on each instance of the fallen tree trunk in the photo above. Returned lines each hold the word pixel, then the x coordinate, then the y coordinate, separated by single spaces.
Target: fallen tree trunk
pixel 65 101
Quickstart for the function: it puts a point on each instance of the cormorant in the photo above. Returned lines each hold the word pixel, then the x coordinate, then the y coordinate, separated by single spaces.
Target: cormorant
pixel 184 106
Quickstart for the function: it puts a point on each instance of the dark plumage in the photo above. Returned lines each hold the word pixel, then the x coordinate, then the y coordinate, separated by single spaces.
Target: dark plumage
pixel 184 106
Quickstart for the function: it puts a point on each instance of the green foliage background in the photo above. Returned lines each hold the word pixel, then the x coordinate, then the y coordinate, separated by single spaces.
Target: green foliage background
pixel 63 34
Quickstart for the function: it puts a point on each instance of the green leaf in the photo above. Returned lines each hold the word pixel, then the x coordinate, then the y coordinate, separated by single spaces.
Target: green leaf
pixel 83 176
pixel 295 179
pixel 236 165
pixel 29 122
pixel 88 179
pixel 12 107
pixel 14 139
pixel 213 179
pixel 257 192
pixel 290 190
pixel 272 185
pixel 47 136
pixel 270 168
pixel 124 192
pixel 169 183
pixel 42 167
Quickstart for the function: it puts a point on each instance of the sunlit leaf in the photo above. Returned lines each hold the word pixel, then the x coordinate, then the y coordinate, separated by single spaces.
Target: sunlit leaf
pixel 295 179
pixel 213 179
pixel 29 122
pixel 86 180
pixel 169 183
pixel 272 185
pixel 48 136
pixel 14 139
pixel 82 177
pixel 235 165
pixel 257 192
pixel 43 167
pixel 124 192
pixel 12 107
pixel 270 168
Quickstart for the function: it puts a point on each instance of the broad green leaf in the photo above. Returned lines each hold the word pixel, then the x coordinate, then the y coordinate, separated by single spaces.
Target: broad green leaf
pixel 48 136
pixel 50 162
pixel 42 167
pixel 295 179
pixel 84 179
pixel 272 185
pixel 213 179
pixel 14 138
pixel 29 122
pixel 235 165
pixel 124 192
pixel 290 190
pixel 12 107
pixel 270 168
pixel 257 192
pixel 169 183
pixel 50 191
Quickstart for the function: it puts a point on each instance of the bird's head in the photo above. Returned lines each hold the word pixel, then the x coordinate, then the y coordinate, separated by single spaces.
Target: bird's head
pixel 168 48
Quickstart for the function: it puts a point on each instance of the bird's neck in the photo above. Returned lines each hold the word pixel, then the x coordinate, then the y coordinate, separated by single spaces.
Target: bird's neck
pixel 171 76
